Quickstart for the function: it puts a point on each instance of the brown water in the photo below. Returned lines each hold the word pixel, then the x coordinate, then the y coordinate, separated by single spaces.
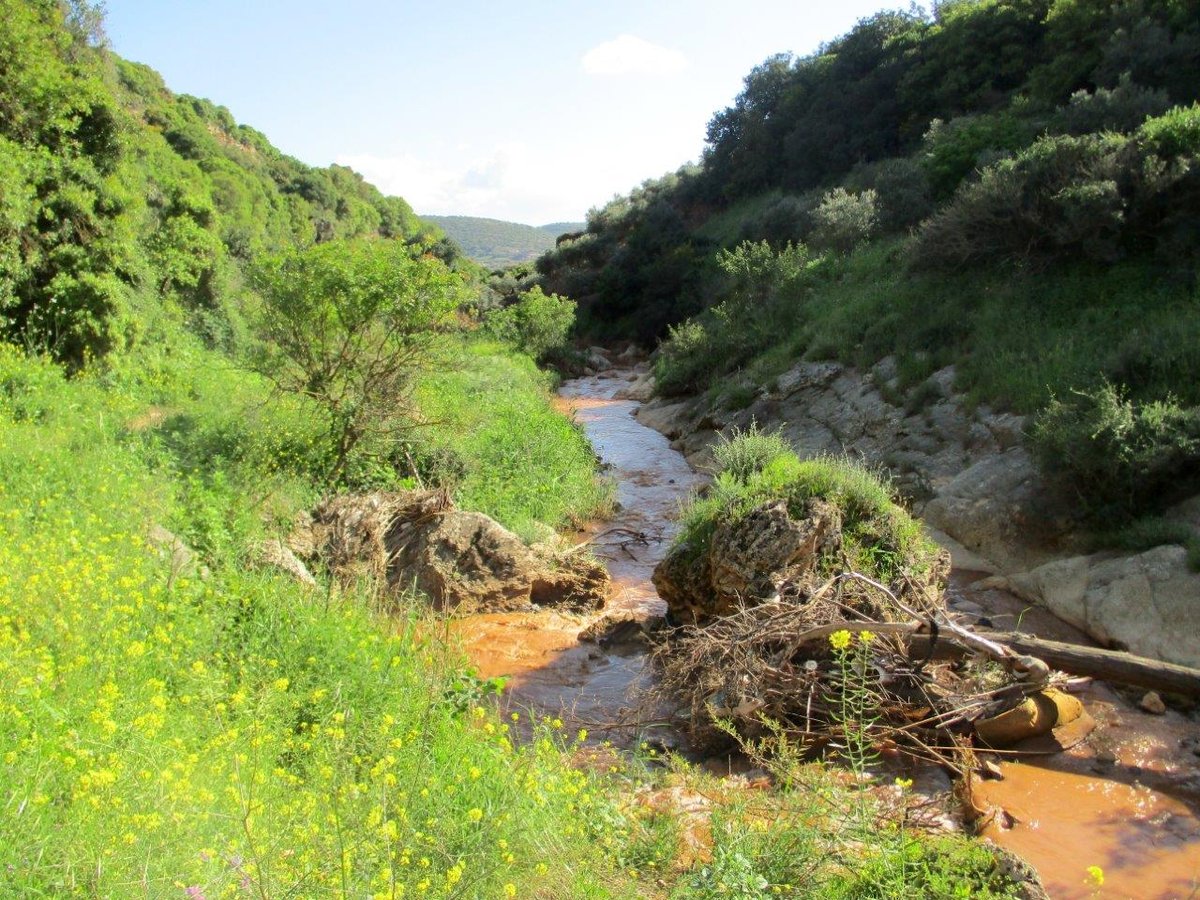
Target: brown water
pixel 1126 799
pixel 549 670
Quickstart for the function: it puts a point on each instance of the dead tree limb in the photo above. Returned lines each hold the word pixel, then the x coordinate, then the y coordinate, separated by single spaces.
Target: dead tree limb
pixel 1107 665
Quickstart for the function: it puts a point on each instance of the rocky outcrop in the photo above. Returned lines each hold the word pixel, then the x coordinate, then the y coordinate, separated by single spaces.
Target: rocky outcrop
pixel 966 472
pixel 753 558
pixel 1148 603
pixel 461 561
pixel 275 554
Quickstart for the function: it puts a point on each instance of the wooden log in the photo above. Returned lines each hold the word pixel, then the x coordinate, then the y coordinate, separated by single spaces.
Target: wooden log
pixel 1107 665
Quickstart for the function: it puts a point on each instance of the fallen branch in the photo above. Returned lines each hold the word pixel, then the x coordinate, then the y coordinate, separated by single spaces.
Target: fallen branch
pixel 1108 665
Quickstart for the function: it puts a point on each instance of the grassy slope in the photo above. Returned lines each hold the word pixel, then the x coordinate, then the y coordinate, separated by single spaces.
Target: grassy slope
pixel 1016 339
pixel 163 732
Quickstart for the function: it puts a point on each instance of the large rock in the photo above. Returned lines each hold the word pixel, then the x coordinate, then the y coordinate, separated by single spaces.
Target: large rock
pixel 461 561
pixel 1148 603
pixel 745 561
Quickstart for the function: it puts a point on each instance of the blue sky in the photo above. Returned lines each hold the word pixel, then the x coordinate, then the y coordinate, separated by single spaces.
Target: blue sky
pixel 529 111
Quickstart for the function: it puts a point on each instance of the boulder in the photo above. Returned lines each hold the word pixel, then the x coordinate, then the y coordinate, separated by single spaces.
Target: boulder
pixel 461 561
pixel 640 389
pixel 1147 603
pixel 745 561
pixel 275 554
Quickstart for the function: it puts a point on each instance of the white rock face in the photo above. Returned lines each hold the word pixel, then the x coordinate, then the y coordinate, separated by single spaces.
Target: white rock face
pixel 1149 603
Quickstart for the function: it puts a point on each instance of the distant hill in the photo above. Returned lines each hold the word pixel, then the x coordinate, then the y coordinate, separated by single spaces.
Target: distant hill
pixel 495 243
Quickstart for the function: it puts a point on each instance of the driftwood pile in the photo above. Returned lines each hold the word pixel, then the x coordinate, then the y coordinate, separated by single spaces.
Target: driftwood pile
pixel 843 660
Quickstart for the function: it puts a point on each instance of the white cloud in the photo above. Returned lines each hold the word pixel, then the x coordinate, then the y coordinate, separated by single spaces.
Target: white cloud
pixel 629 55
pixel 512 182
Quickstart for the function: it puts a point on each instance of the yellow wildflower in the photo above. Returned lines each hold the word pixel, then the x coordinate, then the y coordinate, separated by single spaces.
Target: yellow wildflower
pixel 840 640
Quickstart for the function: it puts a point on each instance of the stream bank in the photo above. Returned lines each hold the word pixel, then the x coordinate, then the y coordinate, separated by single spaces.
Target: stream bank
pixel 1126 799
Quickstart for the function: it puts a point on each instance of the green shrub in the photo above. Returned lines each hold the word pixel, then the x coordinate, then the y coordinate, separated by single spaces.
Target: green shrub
pixel 953 150
pixel 880 539
pixel 1059 197
pixel 743 454
pixel 1176 133
pixel 1122 108
pixel 1120 458
pixel 902 188
pixel 537 323
pixel 844 220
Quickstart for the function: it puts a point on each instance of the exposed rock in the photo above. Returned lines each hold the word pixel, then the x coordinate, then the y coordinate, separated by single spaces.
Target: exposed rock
pixel 1147 603
pixel 745 561
pixel 461 561
pixel 1153 704
pixel 667 418
pixel 277 555
pixel 621 630
pixel 170 547
pixel 967 473
pixel 640 389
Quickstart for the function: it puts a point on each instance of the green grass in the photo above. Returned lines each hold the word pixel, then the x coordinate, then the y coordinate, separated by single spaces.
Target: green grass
pixel 515 458
pixel 237 733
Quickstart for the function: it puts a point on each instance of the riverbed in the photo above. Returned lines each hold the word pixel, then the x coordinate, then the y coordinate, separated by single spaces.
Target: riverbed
pixel 1125 800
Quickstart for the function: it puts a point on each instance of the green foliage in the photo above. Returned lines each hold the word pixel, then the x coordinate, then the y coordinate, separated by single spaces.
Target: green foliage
pixel 1175 133
pixel 536 323
pixel 843 221
pixel 349 326
pixel 745 453
pixel 765 293
pixel 120 201
pixel 901 186
pixel 1122 108
pixel 509 454
pixel 1120 458
pixel 954 150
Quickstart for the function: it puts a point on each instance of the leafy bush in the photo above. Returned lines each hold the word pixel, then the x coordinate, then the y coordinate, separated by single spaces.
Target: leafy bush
pixel 349 325
pixel 537 323
pixel 880 539
pixel 1120 458
pixel 743 454
pixel 1122 108
pixel 1176 133
pixel 762 300
pixel 902 188
pixel 1059 196
pixel 953 150
pixel 844 220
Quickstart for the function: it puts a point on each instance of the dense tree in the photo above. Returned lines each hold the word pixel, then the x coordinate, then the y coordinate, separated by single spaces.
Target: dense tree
pixel 349 325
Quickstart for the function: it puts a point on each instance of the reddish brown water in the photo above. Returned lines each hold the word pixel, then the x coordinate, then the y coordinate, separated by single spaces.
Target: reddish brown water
pixel 1125 800
pixel 550 671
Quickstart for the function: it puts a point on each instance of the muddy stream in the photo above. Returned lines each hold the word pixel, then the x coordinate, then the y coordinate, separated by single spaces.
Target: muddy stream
pixel 1125 799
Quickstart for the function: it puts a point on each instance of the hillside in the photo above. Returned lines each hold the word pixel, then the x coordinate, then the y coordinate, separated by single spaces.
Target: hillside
pixel 496 244
pixel 1008 188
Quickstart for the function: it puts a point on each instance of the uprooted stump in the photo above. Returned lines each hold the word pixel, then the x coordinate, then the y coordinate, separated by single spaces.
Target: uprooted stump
pixel 461 561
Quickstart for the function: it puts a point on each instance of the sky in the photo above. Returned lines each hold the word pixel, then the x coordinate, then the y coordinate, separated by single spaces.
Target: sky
pixel 531 111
